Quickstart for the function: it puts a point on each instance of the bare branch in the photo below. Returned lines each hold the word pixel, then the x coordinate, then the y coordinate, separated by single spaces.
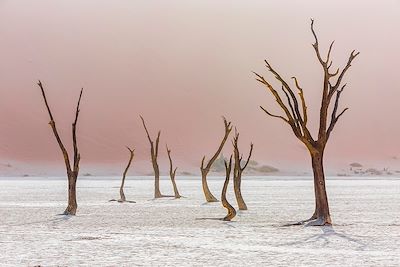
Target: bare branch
pixel 275 116
pixel 352 56
pixel 147 132
pixel 334 117
pixel 315 45
pixel 55 132
pixel 303 101
pixel 277 98
pixel 228 129
pixel 157 142
pixel 74 139
pixel 329 53
pixel 248 158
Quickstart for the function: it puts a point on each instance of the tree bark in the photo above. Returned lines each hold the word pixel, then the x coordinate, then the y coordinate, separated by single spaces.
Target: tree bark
pixel 231 210
pixel 321 214
pixel 154 155
pixel 72 169
pixel 157 192
pixel 72 203
pixel 238 170
pixel 237 179
pixel 206 169
pixel 172 174
pixel 206 190
pixel 121 189
pixel 297 120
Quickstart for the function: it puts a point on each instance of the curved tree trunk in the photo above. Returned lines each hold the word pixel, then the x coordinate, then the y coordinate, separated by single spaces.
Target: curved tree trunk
pixel 206 169
pixel 121 189
pixel 237 179
pixel 321 214
pixel 172 173
pixel 231 210
pixel 207 193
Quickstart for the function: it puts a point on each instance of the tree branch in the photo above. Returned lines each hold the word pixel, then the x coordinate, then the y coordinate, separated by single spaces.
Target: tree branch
pixel 55 132
pixel 228 129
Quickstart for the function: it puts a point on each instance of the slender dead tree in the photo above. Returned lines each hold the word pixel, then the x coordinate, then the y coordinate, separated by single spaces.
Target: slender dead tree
pixel 72 169
pixel 154 155
pixel 172 173
pixel 238 170
pixel 121 189
pixel 206 169
pixel 297 120
pixel 231 210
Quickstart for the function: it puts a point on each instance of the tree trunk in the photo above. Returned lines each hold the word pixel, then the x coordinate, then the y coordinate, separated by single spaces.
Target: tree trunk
pixel 157 192
pixel 231 210
pixel 176 192
pixel 121 191
pixel 72 204
pixel 237 180
pixel 321 214
pixel 207 193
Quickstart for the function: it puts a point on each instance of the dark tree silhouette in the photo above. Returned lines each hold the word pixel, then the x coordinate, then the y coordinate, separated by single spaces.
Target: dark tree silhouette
pixel 297 120
pixel 238 170
pixel 206 169
pixel 121 189
pixel 72 170
pixel 231 210
pixel 172 173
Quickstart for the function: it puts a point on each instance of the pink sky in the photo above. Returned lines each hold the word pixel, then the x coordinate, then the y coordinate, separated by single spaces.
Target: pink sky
pixel 183 64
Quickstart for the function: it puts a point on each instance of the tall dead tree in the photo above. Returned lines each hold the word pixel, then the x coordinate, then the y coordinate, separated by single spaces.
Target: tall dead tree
pixel 121 189
pixel 72 169
pixel 206 169
pixel 238 170
pixel 172 173
pixel 231 210
pixel 297 118
pixel 154 155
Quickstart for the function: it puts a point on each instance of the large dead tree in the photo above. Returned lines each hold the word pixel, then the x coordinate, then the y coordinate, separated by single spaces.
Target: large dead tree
pixel 154 155
pixel 122 198
pixel 231 210
pixel 72 169
pixel 238 170
pixel 297 118
pixel 172 174
pixel 206 169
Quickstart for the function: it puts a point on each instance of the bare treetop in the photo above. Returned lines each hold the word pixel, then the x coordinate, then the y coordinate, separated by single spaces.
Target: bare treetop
pixel 297 119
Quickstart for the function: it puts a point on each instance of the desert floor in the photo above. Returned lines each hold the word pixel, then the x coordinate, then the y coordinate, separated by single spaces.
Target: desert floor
pixel 169 232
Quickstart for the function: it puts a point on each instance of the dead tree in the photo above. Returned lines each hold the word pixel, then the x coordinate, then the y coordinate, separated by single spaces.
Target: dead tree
pixel 206 169
pixel 231 210
pixel 238 170
pixel 72 170
pixel 154 155
pixel 121 189
pixel 172 173
pixel 297 118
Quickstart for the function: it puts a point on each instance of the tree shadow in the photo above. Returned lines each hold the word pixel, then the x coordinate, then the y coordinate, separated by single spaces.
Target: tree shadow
pixel 328 233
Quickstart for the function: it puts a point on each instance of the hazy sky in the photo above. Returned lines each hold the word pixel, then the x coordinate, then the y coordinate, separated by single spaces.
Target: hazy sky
pixel 184 64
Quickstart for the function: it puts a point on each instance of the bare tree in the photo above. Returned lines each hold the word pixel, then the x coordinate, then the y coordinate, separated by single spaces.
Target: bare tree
pixel 121 189
pixel 72 169
pixel 231 210
pixel 172 173
pixel 297 120
pixel 238 170
pixel 206 169
pixel 154 155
